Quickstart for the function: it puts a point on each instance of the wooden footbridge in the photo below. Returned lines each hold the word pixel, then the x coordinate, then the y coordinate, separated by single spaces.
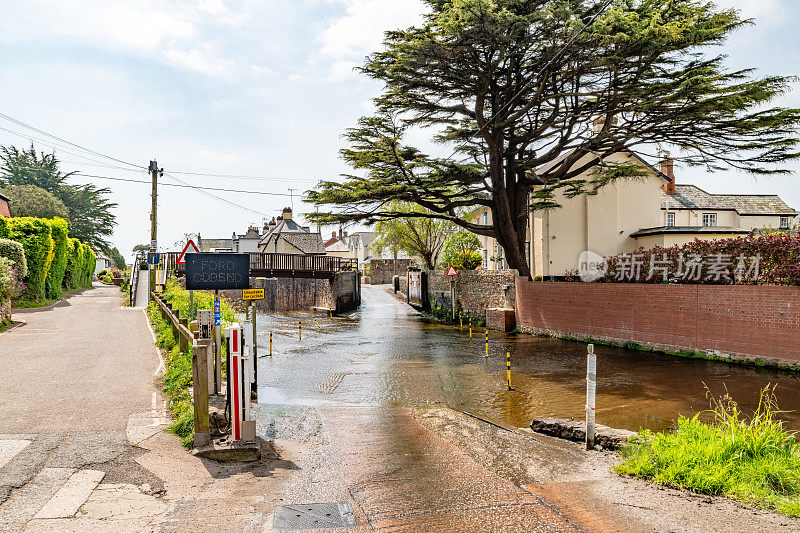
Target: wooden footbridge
pixel 283 265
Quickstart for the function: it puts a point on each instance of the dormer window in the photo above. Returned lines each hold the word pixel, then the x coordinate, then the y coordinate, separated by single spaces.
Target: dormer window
pixel 709 220
pixel 670 220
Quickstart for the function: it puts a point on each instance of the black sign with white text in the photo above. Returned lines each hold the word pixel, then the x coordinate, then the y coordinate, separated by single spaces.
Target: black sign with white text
pixel 207 271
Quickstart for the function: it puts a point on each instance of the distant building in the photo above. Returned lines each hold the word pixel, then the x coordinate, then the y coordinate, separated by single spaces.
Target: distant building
pixel 101 263
pixel 5 209
pixel 285 236
pixel 248 242
pixel 214 245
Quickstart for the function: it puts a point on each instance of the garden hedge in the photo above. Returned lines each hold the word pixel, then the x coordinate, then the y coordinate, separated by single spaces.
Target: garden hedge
pixel 35 236
pixel 14 251
pixel 60 233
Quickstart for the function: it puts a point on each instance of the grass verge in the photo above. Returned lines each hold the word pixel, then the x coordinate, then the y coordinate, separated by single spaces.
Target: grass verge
pixel 32 304
pixel 753 458
pixel 178 373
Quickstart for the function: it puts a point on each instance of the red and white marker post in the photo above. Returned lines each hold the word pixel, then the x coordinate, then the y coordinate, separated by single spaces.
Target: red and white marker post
pixel 234 333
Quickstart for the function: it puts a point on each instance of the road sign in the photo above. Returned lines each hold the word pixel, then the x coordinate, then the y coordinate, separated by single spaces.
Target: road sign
pixel 206 271
pixel 189 244
pixel 253 294
pixel 217 314
pixel 153 258
pixel 452 271
pixel 153 245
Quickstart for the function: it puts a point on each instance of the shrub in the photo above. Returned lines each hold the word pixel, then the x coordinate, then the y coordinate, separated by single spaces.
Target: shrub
pixel 89 264
pixel 55 277
pixel 778 261
pixel 10 279
pixel 460 251
pixel 14 251
pixel 754 459
pixel 4 231
pixel 72 276
pixel 35 236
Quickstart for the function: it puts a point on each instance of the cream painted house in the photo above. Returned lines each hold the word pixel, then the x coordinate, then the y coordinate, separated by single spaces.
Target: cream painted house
pixel 492 254
pixel 644 212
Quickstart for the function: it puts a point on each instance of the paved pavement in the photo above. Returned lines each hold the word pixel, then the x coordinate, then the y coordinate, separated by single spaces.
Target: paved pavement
pixel 74 374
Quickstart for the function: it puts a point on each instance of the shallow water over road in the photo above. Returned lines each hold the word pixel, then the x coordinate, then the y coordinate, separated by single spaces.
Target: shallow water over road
pixel 386 354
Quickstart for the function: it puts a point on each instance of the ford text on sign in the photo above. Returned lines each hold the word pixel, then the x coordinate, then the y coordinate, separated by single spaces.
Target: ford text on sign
pixel 207 271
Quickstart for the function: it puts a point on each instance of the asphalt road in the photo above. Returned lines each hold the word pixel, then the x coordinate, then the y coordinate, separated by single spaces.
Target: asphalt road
pixel 73 374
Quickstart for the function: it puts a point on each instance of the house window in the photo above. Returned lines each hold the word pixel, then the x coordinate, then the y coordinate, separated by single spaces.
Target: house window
pixel 670 220
pixel 709 219
pixel 485 257
pixel 786 222
pixel 485 218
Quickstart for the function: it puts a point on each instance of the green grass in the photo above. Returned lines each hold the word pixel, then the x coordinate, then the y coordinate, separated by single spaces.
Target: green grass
pixel 753 458
pixel 31 304
pixel 178 374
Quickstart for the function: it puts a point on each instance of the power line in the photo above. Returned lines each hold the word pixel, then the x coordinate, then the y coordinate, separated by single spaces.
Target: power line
pixel 201 191
pixel 42 132
pixel 181 185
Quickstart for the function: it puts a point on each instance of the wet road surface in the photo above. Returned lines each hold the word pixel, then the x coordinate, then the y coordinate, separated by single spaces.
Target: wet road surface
pixel 388 355
pixel 368 410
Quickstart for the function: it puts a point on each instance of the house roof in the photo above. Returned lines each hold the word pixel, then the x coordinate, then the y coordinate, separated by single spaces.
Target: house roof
pixel 206 245
pixel 544 169
pixel 308 243
pixel 693 197
pixel 688 230
pixel 284 226
pixel 330 242
pixel 338 245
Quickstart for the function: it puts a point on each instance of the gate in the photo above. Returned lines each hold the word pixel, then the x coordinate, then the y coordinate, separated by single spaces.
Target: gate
pixel 415 288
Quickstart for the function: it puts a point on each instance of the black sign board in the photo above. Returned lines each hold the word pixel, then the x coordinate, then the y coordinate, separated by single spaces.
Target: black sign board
pixel 206 271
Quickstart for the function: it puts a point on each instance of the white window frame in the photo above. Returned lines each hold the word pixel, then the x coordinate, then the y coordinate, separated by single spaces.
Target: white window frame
pixel 670 219
pixel 786 222
pixel 485 218
pixel 485 258
pixel 711 218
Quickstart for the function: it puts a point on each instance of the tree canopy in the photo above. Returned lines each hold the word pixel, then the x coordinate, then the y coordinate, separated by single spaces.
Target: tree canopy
pixel 513 86
pixel 33 201
pixel 460 251
pixel 90 213
pixel 422 237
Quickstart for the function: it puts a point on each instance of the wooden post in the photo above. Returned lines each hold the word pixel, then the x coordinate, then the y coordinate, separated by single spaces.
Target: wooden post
pixel 182 340
pixel 591 389
pixel 202 435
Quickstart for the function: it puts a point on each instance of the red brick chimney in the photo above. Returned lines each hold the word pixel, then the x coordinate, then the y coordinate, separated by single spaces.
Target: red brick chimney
pixel 668 169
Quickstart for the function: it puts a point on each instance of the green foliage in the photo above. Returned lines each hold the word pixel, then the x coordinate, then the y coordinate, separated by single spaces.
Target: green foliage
pixel 88 210
pixel 483 77
pixel 55 276
pixel 33 201
pixel 10 279
pixel 753 459
pixel 4 231
pixel 16 253
pixel 460 251
pixel 116 258
pixel 178 374
pixel 35 236
pixel 412 231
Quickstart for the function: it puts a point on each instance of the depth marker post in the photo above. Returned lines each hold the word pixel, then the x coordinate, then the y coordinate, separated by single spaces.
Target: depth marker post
pixel 487 343
pixel 270 343
pixel 591 389
pixel 508 369
pixel 300 329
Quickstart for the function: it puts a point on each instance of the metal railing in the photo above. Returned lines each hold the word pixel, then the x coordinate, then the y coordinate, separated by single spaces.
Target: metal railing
pixel 281 265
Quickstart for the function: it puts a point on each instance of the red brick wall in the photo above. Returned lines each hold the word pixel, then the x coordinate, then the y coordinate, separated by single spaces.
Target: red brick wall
pixel 739 320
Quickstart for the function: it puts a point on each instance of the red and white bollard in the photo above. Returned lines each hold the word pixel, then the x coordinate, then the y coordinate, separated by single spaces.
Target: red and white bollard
pixel 234 333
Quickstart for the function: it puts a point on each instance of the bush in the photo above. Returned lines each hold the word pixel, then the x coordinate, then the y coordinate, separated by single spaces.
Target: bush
pixel 4 231
pixel 10 279
pixel 35 236
pixel 14 251
pixel 89 264
pixel 55 277
pixel 778 263
pixel 33 201
pixel 460 251
pixel 72 276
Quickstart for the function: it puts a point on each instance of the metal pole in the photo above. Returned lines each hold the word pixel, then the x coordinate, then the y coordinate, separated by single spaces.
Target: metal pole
pixel 487 343
pixel 453 296
pixel 508 369
pixel 254 386
pixel 270 343
pixel 217 348
pixel 191 306
pixel 591 389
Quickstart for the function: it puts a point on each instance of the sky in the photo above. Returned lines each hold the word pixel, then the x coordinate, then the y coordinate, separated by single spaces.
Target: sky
pixel 245 88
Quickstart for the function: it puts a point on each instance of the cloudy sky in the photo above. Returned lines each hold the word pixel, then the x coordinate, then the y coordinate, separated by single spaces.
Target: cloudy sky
pixel 245 88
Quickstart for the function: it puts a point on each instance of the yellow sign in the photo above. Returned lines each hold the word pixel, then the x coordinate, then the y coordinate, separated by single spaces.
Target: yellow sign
pixel 252 294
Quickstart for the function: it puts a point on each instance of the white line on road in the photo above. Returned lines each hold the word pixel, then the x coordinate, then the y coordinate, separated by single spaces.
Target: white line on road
pixel 10 448
pixel 69 498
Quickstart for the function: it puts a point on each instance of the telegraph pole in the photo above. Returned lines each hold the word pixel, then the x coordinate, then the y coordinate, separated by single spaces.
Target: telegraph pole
pixel 153 224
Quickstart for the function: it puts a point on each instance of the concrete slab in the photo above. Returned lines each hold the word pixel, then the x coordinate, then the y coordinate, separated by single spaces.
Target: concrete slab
pixel 10 448
pixel 24 503
pixel 241 453
pixel 69 498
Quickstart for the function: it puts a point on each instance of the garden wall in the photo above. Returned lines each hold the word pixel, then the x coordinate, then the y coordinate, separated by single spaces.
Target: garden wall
pixel 738 321
pixel 381 271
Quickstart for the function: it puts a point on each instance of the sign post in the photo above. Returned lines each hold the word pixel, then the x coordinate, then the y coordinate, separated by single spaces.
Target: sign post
pixel 452 273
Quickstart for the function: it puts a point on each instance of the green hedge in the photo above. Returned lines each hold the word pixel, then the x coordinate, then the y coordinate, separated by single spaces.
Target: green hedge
pixel 55 277
pixel 14 251
pixel 4 232
pixel 35 236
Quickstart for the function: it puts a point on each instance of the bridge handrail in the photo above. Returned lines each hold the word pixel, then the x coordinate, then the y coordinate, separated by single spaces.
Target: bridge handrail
pixel 285 262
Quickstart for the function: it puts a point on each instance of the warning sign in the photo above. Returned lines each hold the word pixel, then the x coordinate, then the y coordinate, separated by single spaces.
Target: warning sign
pixel 181 260
pixel 253 294
pixel 452 271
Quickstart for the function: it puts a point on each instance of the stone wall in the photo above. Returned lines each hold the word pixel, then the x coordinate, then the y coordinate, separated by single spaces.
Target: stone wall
pixel 476 290
pixel 286 294
pixel 737 321
pixel 347 291
pixel 381 271
pixel 5 310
